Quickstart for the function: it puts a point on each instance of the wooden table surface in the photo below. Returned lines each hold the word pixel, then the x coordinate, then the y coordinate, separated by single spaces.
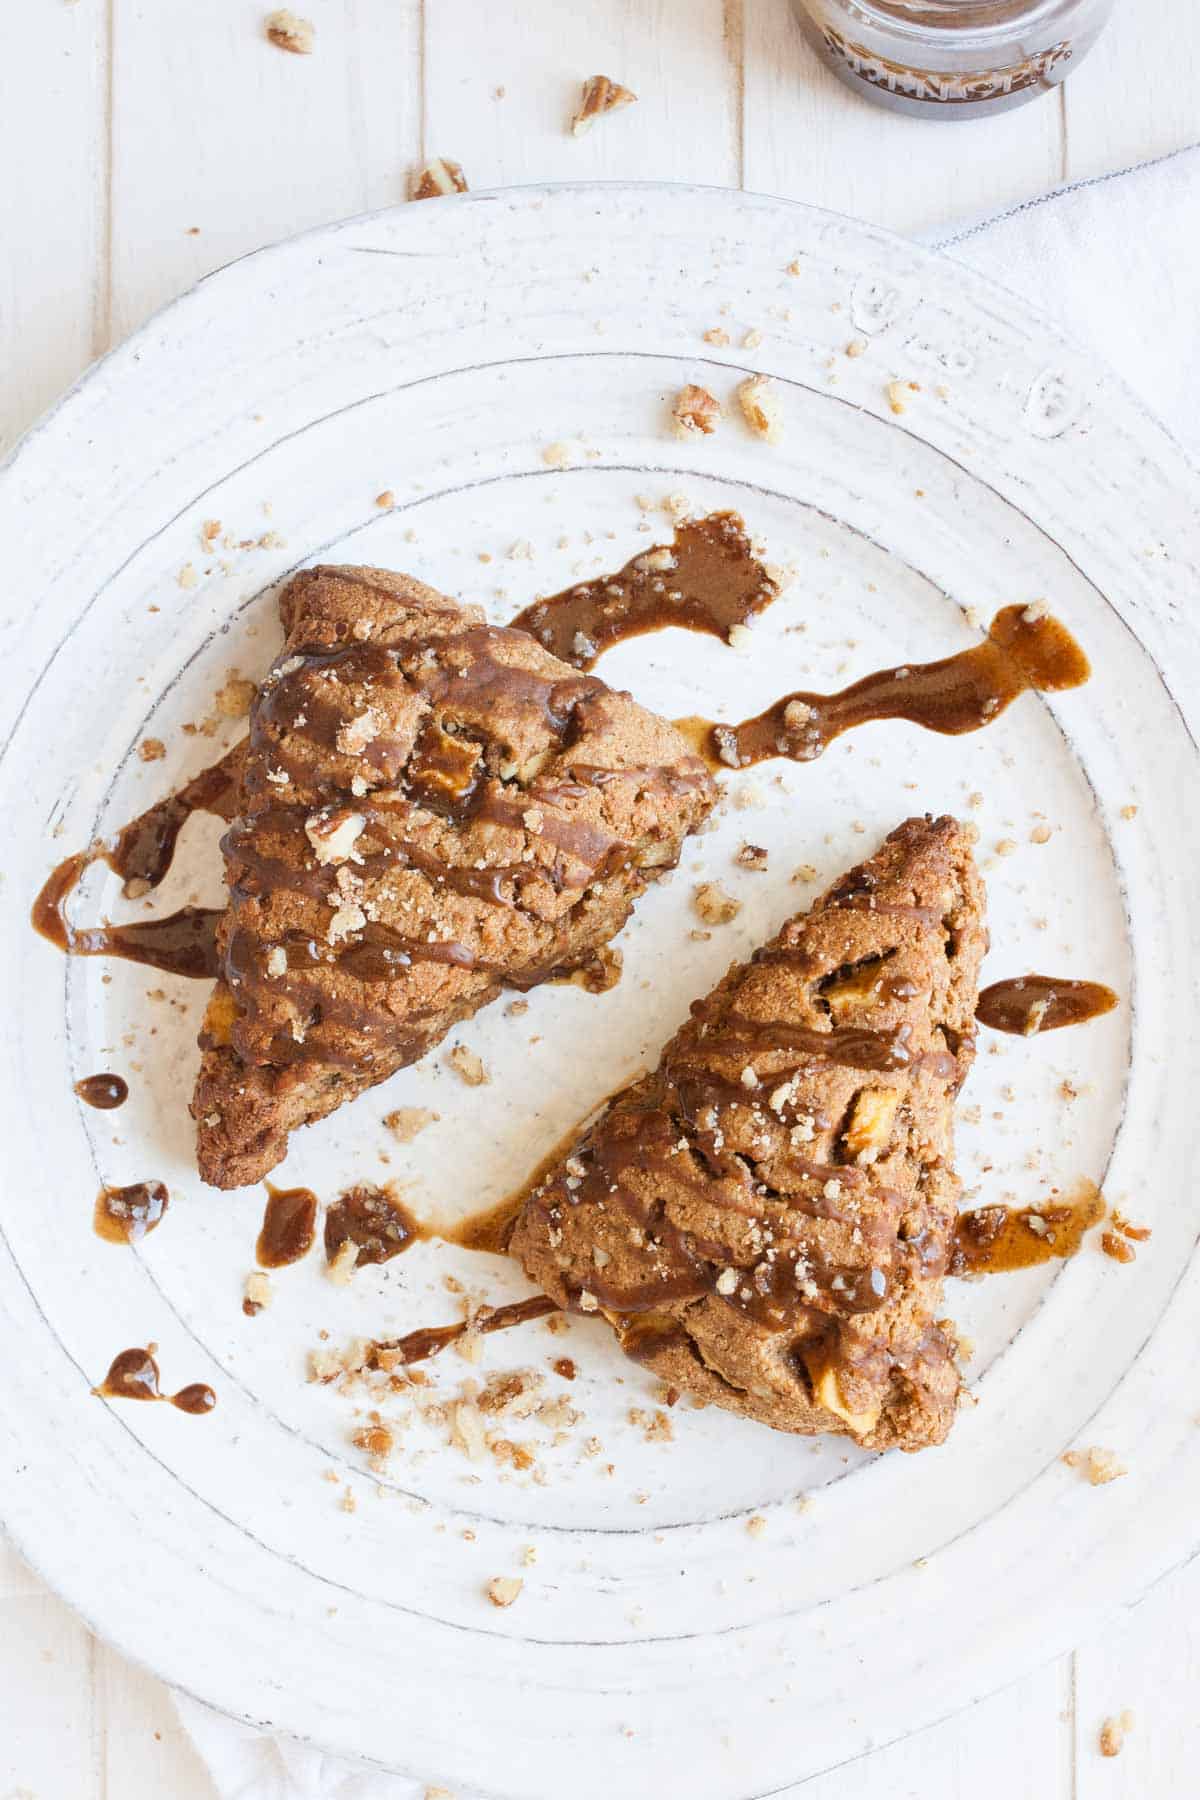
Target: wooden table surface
pixel 145 142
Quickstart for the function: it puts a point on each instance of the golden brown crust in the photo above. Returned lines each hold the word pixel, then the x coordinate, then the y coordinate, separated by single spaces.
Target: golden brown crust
pixel 430 808
pixel 766 1218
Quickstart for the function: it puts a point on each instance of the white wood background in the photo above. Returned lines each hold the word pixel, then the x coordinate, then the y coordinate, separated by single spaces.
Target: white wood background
pixel 145 142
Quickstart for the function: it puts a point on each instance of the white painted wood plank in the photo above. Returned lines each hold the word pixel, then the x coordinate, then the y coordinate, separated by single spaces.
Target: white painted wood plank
pixel 217 131
pixel 53 205
pixel 383 85
pixel 1136 95
pixel 48 1745
pixel 145 1749
pixel 683 127
pixel 60 1686
pixel 1148 1662
pixel 1017 1742
pixel 809 138
pixel 17 1579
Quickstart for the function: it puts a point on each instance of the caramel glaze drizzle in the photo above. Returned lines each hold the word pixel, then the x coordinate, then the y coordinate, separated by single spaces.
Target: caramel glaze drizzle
pixel 994 1239
pixel 957 694
pixel 288 1227
pixel 144 849
pixel 708 580
pixel 183 943
pixel 103 1091
pixel 380 1226
pixel 125 1215
pixel 417 1346
pixel 490 1230
pixel 1027 1004
pixel 375 1221
pixel 133 1375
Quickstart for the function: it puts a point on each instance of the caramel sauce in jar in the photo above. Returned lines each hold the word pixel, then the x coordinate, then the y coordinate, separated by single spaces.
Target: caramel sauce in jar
pixel 953 59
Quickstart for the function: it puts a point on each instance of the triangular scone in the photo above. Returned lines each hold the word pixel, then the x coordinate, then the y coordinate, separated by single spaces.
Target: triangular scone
pixel 431 807
pixel 765 1220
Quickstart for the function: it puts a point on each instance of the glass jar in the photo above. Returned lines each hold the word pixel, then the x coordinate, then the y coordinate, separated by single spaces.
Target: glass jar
pixel 953 59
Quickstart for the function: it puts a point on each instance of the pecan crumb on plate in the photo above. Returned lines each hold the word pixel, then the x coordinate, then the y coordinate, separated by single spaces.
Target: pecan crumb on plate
pixel 695 411
pixel 502 1590
pixel 464 1062
pixel 761 408
pixel 406 1122
pixel 714 905
pixel 1099 1465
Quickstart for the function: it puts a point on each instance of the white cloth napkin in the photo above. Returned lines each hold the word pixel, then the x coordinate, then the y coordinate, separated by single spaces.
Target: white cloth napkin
pixel 1117 258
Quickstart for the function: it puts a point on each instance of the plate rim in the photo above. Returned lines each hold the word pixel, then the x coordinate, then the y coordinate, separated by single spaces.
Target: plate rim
pixel 476 196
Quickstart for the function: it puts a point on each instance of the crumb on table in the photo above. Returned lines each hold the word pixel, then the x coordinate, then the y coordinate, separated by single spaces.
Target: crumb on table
pixel 435 178
pixel 599 96
pixel 289 32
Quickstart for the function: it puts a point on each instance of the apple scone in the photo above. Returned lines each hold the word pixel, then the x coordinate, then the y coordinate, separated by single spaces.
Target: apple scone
pixel 766 1219
pixel 430 808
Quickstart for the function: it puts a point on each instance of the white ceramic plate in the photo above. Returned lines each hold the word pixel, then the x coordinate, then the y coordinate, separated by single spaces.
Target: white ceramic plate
pixel 658 1645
